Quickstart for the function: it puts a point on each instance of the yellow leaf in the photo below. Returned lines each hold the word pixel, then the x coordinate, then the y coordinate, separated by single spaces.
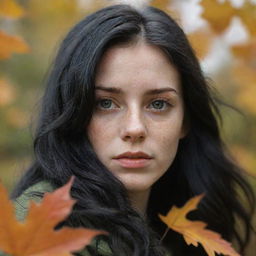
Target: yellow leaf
pixel 201 42
pixel 194 232
pixel 10 44
pixel 7 93
pixel 246 79
pixel 9 8
pixel 161 4
pixel 248 16
pixel 247 53
pixel 218 14
pixel 166 5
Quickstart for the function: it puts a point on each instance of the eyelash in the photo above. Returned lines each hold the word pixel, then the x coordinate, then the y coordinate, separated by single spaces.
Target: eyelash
pixel 166 103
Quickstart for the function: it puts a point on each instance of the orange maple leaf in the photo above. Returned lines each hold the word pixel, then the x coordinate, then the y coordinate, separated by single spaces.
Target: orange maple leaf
pixel 10 9
pixel 10 44
pixel 36 235
pixel 194 232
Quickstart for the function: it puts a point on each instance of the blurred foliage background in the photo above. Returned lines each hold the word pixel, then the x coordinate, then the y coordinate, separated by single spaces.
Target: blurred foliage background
pixel 31 30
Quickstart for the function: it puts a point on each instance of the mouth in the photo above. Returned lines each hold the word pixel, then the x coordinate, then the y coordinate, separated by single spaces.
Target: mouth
pixel 133 159
pixel 133 155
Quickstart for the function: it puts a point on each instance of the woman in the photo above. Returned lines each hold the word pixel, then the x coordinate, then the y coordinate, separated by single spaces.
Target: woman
pixel 128 112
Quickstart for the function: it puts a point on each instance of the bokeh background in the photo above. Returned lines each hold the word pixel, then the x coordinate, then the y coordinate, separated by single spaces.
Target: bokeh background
pixel 223 34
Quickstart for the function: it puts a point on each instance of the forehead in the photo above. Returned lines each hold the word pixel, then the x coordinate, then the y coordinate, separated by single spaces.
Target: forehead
pixel 138 66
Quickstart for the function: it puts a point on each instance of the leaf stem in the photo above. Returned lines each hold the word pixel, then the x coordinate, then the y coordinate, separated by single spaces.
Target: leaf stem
pixel 164 235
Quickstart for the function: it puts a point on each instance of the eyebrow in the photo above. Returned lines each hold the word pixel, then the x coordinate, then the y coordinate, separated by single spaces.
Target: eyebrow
pixel 150 92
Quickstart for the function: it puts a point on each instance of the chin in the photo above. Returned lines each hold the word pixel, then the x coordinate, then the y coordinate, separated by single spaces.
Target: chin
pixel 137 182
pixel 137 187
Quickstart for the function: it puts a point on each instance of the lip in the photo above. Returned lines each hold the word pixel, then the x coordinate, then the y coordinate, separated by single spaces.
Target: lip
pixel 133 155
pixel 133 159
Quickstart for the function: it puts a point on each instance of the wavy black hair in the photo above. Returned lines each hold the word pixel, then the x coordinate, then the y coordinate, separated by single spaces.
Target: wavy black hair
pixel 202 163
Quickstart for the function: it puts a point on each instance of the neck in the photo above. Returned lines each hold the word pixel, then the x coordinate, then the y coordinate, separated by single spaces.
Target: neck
pixel 139 201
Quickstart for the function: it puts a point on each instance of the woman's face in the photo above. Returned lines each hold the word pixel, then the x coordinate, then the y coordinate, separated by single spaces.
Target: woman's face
pixel 138 118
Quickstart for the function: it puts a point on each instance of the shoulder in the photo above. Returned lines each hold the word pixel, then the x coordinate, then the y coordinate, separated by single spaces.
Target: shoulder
pixel 35 193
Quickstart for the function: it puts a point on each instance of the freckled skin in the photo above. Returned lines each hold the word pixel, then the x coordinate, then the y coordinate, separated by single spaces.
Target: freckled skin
pixel 132 122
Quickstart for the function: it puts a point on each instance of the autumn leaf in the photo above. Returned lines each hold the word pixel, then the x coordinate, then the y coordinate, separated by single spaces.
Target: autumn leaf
pixel 161 4
pixel 194 232
pixel 168 7
pixel 201 41
pixel 36 235
pixel 248 16
pixel 218 14
pixel 246 52
pixel 11 44
pixel 245 77
pixel 7 92
pixel 11 9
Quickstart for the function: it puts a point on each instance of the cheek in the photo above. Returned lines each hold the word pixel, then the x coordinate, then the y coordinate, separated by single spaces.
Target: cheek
pixel 168 133
pixel 94 132
pixel 169 146
pixel 99 133
pixel 167 140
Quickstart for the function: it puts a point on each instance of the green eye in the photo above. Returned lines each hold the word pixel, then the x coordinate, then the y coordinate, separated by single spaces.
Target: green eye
pixel 105 103
pixel 158 104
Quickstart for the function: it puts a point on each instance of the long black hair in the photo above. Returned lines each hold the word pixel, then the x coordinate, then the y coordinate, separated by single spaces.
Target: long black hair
pixel 202 163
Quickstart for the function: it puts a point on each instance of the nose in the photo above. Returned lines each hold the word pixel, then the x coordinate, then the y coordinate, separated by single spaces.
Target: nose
pixel 133 127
